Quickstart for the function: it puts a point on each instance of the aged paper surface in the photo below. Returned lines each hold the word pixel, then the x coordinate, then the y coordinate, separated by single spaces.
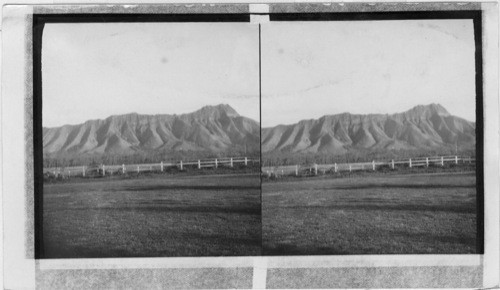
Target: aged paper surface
pixel 357 271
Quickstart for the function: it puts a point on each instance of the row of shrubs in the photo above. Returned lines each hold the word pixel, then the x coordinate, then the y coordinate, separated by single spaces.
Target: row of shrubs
pixel 96 174
pixel 380 170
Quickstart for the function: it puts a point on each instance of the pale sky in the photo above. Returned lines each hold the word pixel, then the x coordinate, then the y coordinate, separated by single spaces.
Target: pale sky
pixel 94 70
pixel 311 69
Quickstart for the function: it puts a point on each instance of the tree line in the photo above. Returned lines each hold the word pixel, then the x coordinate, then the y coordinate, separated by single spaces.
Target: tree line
pixel 355 156
pixel 68 160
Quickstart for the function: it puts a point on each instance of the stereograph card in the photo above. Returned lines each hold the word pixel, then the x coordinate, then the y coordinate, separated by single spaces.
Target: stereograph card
pixel 250 145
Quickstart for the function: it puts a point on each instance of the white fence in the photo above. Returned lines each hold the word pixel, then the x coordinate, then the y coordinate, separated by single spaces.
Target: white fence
pixel 104 169
pixel 316 169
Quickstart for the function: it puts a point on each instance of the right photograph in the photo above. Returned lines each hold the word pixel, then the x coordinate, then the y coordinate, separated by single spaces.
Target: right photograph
pixel 369 137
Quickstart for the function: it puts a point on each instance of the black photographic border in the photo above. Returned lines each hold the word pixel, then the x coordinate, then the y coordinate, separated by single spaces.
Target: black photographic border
pixel 476 17
pixel 39 20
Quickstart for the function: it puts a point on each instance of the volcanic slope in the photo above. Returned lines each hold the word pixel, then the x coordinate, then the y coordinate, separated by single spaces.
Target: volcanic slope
pixel 424 127
pixel 212 128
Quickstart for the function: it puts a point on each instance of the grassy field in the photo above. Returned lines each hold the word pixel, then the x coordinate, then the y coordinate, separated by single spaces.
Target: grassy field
pixel 146 217
pixel 408 214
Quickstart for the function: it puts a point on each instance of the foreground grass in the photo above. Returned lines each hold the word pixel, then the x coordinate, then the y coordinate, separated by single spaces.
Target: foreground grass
pixel 418 214
pixel 382 171
pixel 169 172
pixel 157 217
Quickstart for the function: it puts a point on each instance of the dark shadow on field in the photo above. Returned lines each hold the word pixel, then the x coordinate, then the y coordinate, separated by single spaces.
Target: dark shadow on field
pixel 83 252
pixel 251 244
pixel 189 187
pixel 287 249
pixel 220 239
pixel 177 209
pixel 406 186
pixel 396 207
pixel 281 249
pixel 436 238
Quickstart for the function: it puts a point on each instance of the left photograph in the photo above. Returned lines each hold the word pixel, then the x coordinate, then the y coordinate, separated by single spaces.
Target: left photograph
pixel 151 140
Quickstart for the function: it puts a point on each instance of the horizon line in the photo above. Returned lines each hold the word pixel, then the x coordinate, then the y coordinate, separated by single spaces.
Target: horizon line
pixel 142 114
pixel 263 127
pixel 363 114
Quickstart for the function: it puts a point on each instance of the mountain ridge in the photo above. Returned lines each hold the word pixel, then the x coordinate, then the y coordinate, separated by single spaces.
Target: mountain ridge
pixel 204 108
pixel 211 128
pixel 220 129
pixel 421 127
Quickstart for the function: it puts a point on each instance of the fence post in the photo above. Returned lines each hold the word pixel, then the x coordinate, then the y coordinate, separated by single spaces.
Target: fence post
pixel 296 170
pixel 246 161
pixel 410 163
pixel 335 167
pixel 392 163
pixel 268 174
pixel 456 159
pixel 181 166
pixel 83 170
pixel 373 163
pixel 161 166
pixel 138 169
pixel 350 168
pixel 123 168
pixel 215 162
pixel 315 169
pixel 470 160
pixel 103 170
pixel 427 161
pixel 442 161
pixel 231 161
pixel 199 164
pixel 69 173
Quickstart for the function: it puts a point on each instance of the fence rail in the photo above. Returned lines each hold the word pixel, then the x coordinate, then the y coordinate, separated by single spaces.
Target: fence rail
pixel 104 169
pixel 316 169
